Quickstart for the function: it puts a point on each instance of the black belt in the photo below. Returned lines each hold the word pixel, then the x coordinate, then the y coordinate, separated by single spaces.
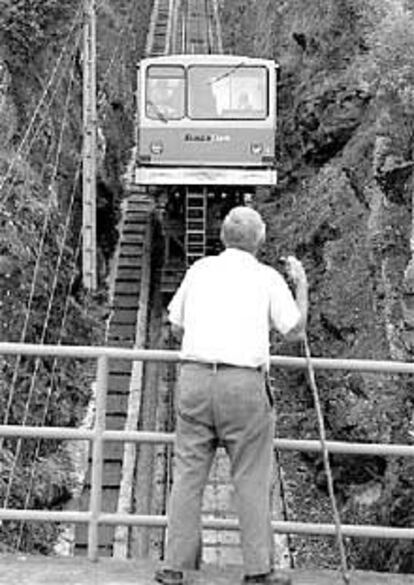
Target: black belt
pixel 221 365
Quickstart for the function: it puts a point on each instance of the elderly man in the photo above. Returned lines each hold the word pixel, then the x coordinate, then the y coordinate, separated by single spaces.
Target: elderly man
pixel 224 308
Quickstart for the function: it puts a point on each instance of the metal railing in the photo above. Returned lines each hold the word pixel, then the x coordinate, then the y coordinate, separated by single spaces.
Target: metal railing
pixel 98 435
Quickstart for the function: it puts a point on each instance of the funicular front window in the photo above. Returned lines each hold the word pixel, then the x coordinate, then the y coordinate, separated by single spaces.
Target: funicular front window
pixel 165 97
pixel 232 93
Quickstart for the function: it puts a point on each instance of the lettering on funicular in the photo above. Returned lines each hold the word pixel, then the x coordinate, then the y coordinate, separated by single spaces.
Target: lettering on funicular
pixel 189 137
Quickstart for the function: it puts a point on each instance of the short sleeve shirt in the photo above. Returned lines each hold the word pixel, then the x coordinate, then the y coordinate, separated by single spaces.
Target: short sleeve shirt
pixel 227 305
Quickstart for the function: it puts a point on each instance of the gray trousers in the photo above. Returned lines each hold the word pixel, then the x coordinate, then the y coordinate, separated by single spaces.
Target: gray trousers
pixel 227 406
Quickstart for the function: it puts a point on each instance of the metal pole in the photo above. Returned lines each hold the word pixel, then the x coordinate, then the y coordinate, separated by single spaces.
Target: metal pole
pixel 327 466
pixel 89 148
pixel 97 458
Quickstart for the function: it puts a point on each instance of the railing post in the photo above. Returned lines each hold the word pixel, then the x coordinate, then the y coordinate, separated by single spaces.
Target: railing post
pixel 97 457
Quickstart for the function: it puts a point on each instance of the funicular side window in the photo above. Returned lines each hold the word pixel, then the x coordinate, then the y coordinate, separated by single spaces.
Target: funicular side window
pixel 231 93
pixel 165 94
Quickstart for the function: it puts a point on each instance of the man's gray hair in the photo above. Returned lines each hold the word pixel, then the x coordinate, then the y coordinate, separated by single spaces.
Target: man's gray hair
pixel 243 228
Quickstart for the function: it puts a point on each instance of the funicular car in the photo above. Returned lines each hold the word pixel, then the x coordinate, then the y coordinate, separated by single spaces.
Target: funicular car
pixel 206 132
pixel 206 120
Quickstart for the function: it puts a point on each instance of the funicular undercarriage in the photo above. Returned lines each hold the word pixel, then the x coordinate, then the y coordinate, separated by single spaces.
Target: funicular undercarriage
pixel 190 220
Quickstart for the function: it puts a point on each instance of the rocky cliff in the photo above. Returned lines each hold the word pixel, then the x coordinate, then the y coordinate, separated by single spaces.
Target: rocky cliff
pixel 344 206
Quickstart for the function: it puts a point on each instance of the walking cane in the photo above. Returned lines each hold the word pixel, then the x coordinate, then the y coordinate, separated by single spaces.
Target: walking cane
pixel 325 455
pixel 322 436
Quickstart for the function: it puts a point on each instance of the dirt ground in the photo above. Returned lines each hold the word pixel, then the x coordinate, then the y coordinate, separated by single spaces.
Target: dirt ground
pixel 26 570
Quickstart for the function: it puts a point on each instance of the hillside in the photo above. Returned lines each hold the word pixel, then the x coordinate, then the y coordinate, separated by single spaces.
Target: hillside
pixel 41 300
pixel 343 205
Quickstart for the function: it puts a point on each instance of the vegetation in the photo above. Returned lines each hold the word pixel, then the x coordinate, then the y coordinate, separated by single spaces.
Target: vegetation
pixel 41 299
pixel 343 205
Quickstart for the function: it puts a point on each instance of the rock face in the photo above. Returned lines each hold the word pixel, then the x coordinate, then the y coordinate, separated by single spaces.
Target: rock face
pixel 344 206
pixel 325 119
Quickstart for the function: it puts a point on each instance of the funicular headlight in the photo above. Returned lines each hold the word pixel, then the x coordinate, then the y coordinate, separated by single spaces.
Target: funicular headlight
pixel 256 148
pixel 157 147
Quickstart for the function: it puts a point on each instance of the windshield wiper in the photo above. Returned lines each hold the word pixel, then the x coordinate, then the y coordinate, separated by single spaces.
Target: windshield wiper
pixel 228 73
pixel 157 112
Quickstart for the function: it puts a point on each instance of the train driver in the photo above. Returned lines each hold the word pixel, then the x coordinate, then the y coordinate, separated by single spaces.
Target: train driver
pixel 165 99
pixel 244 103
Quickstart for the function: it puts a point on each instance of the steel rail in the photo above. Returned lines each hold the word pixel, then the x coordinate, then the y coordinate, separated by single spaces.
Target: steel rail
pixel 216 16
pixel 170 28
pixel 151 32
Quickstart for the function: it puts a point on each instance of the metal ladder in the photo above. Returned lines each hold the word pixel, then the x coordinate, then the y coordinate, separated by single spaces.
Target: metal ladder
pixel 195 224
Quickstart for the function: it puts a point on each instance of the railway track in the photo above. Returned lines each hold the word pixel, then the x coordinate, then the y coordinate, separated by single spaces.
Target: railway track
pixel 126 328
pixel 139 478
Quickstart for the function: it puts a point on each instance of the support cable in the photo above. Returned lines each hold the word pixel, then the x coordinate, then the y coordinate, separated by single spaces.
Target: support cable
pixel 28 313
pixel 122 37
pixel 35 463
pixel 38 107
pixel 52 294
pixel 25 149
pixel 121 45
pixel 42 239
pixel 64 70
pixel 27 146
pixel 325 453
pixel 37 265
pixel 41 342
pixel 28 309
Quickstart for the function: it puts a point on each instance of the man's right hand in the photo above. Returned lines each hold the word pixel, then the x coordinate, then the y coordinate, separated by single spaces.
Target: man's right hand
pixel 297 274
pixel 296 271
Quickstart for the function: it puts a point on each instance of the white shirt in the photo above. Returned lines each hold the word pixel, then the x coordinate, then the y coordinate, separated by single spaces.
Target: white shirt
pixel 227 304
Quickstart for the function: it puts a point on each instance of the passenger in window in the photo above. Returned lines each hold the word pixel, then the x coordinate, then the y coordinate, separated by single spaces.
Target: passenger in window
pixel 244 102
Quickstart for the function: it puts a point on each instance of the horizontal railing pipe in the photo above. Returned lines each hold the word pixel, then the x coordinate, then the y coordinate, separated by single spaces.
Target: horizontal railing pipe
pixel 343 447
pixel 397 450
pixel 161 355
pixel 139 436
pixel 153 521
pixel 359 365
pixel 26 432
pixel 99 435
pixel 280 527
pixel 88 352
pixel 44 515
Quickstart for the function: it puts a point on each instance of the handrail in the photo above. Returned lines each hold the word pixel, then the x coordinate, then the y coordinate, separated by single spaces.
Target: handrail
pixel 164 355
pixel 308 445
pixel 95 517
